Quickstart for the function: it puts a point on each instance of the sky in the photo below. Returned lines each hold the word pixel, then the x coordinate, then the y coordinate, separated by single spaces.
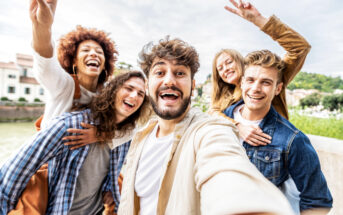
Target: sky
pixel 204 24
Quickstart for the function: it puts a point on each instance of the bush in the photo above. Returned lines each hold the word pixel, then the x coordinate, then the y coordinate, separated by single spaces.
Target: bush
pixel 333 102
pixel 37 100
pixel 22 99
pixel 4 98
pixel 310 100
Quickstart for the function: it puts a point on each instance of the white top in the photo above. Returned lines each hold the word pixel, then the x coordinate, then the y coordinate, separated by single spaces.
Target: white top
pixel 237 116
pixel 58 86
pixel 149 171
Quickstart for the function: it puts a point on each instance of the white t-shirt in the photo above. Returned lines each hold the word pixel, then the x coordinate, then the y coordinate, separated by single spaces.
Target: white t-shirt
pixel 237 116
pixel 148 176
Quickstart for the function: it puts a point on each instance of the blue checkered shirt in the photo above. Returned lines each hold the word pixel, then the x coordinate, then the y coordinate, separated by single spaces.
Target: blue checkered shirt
pixel 64 166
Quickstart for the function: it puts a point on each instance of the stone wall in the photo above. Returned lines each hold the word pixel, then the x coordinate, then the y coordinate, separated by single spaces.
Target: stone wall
pixel 12 113
pixel 330 152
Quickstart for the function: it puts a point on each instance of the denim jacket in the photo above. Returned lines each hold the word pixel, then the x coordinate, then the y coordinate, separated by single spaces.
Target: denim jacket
pixel 289 153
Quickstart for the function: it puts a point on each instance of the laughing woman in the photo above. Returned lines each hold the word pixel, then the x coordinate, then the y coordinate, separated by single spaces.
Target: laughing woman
pixel 228 66
pixel 70 76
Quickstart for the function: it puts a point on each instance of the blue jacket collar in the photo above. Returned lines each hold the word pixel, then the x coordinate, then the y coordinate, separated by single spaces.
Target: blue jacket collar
pixel 268 123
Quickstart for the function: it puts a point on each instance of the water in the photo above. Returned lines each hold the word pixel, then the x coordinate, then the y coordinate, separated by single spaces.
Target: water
pixel 13 136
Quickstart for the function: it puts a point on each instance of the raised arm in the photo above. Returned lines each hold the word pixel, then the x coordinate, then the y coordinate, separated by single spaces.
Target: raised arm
pixel 223 173
pixel 42 16
pixel 296 46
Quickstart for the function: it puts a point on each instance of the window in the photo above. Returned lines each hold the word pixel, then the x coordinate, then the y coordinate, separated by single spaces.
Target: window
pixel 27 90
pixel 11 90
pixel 25 72
pixel 41 91
pixel 11 76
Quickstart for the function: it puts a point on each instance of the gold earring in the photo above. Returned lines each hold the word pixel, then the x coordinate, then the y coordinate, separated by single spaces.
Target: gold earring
pixel 74 69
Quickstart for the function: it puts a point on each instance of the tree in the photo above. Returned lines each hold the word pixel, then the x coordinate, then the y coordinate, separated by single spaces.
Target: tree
pixel 310 100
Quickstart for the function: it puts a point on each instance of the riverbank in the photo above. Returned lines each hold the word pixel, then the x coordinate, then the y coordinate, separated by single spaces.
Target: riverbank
pixel 18 113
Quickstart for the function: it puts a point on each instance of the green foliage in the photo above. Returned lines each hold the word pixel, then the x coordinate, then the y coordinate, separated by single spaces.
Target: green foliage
pixel 330 127
pixel 4 98
pixel 320 82
pixel 310 100
pixel 123 65
pixel 200 103
pixel 333 102
pixel 22 99
pixel 199 89
pixel 37 100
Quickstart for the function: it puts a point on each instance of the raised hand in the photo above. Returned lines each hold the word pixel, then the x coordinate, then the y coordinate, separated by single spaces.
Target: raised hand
pixel 253 135
pixel 42 16
pixel 42 12
pixel 247 11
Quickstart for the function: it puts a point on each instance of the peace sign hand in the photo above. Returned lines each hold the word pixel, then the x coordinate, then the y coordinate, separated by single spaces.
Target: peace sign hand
pixel 247 11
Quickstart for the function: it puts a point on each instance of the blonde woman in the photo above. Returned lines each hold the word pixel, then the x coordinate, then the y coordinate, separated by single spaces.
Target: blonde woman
pixel 228 65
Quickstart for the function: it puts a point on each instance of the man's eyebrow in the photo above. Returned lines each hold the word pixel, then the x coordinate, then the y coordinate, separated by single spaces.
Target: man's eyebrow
pixel 158 63
pixel 267 79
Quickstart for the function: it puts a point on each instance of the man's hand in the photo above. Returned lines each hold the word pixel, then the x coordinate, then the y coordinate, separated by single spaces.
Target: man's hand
pixel 253 135
pixel 83 136
pixel 247 11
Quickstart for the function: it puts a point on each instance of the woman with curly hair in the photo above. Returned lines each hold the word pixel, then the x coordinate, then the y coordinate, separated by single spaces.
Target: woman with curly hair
pixel 228 67
pixel 84 61
pixel 78 178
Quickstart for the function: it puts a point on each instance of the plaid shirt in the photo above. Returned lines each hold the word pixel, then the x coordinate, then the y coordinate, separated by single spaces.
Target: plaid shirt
pixel 64 166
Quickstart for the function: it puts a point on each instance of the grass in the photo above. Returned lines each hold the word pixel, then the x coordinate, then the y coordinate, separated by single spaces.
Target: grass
pixel 327 127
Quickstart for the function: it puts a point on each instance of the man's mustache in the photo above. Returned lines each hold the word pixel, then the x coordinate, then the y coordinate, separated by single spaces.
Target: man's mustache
pixel 167 88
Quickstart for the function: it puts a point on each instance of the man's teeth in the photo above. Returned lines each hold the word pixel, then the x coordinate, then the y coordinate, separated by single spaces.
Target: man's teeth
pixel 169 94
pixel 254 97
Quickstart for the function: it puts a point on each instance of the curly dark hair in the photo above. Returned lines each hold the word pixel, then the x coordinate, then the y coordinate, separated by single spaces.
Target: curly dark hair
pixel 67 48
pixel 168 49
pixel 103 108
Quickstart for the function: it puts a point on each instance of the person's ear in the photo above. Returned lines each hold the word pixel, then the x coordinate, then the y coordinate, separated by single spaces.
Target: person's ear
pixel 278 88
pixel 193 87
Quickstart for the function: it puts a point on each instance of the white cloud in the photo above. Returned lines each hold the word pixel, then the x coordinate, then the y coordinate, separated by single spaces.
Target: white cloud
pixel 202 23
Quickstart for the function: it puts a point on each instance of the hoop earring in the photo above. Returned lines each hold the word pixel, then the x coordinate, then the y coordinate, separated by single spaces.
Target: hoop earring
pixel 74 70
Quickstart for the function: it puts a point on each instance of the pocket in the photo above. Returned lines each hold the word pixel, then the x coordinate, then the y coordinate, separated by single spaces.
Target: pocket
pixel 269 162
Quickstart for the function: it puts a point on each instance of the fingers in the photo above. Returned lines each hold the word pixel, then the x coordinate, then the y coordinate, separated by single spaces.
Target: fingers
pixel 231 10
pixel 86 125
pixel 75 131
pixel 42 4
pixel 73 138
pixel 52 4
pixel 234 3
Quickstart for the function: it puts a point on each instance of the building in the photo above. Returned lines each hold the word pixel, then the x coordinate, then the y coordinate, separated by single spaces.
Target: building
pixel 17 80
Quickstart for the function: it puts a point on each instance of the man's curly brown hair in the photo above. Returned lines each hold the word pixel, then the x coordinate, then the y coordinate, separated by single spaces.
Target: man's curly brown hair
pixel 103 108
pixel 169 49
pixel 67 48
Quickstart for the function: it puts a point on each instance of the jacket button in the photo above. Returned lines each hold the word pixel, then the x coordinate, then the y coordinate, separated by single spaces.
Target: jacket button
pixel 267 158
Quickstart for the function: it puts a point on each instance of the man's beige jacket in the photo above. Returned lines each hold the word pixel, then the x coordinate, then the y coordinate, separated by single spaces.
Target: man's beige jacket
pixel 207 172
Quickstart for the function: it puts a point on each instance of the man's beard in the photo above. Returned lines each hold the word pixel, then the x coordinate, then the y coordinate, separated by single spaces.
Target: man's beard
pixel 170 114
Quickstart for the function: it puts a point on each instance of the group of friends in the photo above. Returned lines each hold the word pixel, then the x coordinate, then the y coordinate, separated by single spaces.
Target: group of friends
pixel 133 144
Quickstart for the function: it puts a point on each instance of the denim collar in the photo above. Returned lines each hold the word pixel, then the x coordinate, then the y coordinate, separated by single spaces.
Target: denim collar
pixel 267 124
